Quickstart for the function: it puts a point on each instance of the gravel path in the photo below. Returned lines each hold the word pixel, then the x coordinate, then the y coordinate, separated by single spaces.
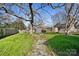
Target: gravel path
pixel 39 48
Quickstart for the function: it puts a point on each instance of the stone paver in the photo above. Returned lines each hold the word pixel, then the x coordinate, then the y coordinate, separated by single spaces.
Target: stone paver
pixel 40 49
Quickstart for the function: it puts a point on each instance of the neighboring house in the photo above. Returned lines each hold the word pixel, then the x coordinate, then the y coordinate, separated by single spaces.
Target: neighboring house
pixel 48 29
pixel 77 27
pixel 58 28
pixel 61 28
pixel 37 30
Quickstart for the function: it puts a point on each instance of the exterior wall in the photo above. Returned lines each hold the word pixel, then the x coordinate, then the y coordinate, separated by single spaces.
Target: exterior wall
pixel 56 30
pixel 62 31
pixel 38 30
pixel 73 29
pixel 77 30
pixel 22 31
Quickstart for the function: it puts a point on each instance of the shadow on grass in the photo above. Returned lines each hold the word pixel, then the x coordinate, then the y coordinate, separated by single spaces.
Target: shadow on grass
pixel 3 36
pixel 52 33
pixel 64 45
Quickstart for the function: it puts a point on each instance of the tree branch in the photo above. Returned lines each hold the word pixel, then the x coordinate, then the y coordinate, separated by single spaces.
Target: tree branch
pixel 7 11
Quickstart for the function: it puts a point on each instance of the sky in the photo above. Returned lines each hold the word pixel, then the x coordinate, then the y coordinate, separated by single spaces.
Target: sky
pixel 46 12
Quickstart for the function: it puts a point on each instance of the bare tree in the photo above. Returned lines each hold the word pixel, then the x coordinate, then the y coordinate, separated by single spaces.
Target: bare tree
pixel 29 13
pixel 71 12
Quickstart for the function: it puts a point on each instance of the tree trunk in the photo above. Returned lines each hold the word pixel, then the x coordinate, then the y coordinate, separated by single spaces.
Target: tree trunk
pixel 66 32
pixel 31 29
pixel 68 10
pixel 31 22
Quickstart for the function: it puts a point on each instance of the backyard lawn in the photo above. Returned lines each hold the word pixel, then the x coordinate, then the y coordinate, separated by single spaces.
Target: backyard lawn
pixel 21 44
pixel 62 44
pixel 16 45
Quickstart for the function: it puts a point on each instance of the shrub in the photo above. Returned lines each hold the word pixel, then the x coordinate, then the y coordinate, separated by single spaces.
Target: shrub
pixel 43 31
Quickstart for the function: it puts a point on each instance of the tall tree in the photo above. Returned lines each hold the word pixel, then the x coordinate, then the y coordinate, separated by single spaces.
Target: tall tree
pixel 32 18
pixel 71 12
pixel 29 16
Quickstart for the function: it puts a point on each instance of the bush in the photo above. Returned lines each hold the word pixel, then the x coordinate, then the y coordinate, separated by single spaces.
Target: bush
pixel 43 31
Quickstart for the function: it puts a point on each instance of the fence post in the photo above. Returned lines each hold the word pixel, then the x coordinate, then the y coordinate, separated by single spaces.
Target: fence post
pixel 1 32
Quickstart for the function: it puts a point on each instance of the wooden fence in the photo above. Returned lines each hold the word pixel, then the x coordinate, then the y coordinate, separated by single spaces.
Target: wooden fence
pixel 7 31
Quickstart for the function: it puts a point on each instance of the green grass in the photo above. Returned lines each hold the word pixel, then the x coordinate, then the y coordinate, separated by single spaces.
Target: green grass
pixel 16 45
pixel 63 44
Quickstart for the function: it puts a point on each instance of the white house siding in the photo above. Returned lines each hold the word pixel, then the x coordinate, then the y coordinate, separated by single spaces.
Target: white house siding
pixel 56 29
pixel 38 30
pixel 62 31
pixel 72 29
